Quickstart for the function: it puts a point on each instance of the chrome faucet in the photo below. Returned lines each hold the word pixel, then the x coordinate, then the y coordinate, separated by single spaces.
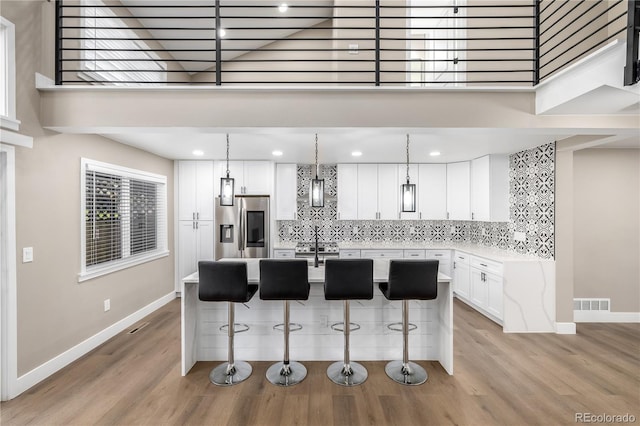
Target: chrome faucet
pixel 315 259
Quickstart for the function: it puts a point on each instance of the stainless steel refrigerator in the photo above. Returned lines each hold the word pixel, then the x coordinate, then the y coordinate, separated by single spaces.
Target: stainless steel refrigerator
pixel 242 230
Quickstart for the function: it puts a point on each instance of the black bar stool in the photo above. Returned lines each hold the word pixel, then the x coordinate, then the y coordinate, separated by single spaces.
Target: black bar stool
pixel 285 279
pixel 226 282
pixel 409 279
pixel 348 279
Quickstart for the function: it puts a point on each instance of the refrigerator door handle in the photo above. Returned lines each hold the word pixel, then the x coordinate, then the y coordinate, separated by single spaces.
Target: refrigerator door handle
pixel 241 236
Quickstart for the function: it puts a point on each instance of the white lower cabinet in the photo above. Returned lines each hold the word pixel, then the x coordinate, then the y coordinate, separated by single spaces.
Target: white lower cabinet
pixel 384 254
pixel 486 287
pixel 284 253
pixel 349 254
pixel 461 278
pixel 444 259
pixel 195 243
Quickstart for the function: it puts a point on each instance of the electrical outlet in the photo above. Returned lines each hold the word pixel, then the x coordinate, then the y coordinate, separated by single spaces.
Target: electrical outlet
pixel 27 254
pixel 324 320
pixel 355 230
pixel 412 230
pixel 353 49
pixel 453 229
pixel 290 230
pixel 107 305
pixel 519 236
pixel 484 232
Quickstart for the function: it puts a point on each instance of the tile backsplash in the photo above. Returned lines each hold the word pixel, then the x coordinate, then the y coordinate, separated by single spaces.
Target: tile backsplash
pixel 531 200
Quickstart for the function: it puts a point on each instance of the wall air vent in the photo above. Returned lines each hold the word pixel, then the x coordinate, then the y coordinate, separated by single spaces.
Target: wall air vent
pixel 591 304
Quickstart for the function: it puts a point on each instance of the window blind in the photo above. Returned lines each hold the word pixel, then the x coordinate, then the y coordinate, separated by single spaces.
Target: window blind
pixel 125 215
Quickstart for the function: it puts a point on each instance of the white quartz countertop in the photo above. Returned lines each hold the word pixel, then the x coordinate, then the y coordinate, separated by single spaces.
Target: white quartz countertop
pixel 491 253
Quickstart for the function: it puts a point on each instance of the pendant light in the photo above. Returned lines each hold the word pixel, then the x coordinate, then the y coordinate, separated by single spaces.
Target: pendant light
pixel 408 190
pixel 316 190
pixel 226 184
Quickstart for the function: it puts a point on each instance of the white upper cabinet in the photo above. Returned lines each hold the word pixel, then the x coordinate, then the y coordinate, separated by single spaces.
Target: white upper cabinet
pixel 367 191
pixel 458 191
pixel 490 188
pixel 250 177
pixel 388 192
pixel 286 191
pixel 195 190
pixel 347 191
pixel 414 179
pixel 432 191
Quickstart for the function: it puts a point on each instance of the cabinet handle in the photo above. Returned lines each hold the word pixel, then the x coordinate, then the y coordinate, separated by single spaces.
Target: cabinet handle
pixel 447 215
pixel 438 254
pixel 198 216
pixel 420 215
pixel 398 215
pixel 482 264
pixel 454 265
pixel 193 216
pixel 472 215
pixel 196 225
pixel 193 225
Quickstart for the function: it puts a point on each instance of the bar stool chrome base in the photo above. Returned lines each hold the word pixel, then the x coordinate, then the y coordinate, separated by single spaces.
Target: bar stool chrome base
pixel 289 374
pixel 406 374
pixel 223 375
pixel 352 374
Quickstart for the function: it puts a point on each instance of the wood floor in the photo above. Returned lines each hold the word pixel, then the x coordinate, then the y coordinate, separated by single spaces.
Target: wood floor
pixel 500 379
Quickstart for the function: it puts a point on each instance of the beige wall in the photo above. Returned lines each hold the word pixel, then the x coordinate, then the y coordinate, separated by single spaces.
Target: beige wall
pixel 607 226
pixel 55 312
pixel 564 233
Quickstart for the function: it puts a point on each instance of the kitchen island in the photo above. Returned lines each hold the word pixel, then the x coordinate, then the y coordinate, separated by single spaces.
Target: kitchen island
pixel 202 339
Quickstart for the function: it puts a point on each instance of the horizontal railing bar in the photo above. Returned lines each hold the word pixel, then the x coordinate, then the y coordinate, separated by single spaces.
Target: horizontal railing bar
pixel 314 71
pixel 580 42
pixel 291 17
pixel 294 60
pixel 213 29
pixel 297 39
pixel 583 27
pixel 136 60
pixel 492 49
pixel 366 82
pixel 297 6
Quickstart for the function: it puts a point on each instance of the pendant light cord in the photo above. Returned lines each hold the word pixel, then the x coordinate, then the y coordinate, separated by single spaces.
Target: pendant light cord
pixel 227 155
pixel 316 156
pixel 407 158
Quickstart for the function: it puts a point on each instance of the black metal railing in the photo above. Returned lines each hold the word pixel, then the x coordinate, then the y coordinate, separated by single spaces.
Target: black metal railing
pixel 572 29
pixel 414 43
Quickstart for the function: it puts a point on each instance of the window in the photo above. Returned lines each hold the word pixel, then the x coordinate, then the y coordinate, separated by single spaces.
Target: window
pixel 8 75
pixel 114 55
pixel 124 218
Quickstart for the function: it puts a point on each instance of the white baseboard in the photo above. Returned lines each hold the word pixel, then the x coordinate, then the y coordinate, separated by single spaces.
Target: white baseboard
pixel 565 328
pixel 50 367
pixel 605 316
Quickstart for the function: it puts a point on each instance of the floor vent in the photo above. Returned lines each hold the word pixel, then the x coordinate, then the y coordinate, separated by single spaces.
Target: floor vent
pixel 591 304
pixel 138 328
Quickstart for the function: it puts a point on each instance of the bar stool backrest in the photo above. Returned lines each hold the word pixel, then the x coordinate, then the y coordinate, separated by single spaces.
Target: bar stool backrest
pixel 413 279
pixel 222 281
pixel 284 279
pixel 348 279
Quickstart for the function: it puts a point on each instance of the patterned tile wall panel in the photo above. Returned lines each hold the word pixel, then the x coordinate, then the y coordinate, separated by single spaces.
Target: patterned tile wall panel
pixel 532 187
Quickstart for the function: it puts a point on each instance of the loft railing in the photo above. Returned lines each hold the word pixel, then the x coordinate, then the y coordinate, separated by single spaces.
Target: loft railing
pixel 416 43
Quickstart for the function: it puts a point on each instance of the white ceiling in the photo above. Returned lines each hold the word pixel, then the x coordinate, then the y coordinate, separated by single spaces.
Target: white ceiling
pixel 336 145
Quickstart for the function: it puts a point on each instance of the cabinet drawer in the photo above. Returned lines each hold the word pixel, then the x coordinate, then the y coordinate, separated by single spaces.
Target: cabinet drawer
pixel 414 254
pixel 486 265
pixel 441 255
pixel 386 254
pixel 284 254
pixel 349 254
pixel 461 258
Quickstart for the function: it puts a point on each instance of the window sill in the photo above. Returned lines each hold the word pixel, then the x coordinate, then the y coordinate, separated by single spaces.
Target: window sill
pixel 100 271
pixel 9 123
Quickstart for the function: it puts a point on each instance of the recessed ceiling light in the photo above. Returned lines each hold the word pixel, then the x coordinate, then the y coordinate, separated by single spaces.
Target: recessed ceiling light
pixel 222 32
pixel 277 153
pixel 356 153
pixel 434 153
pixel 198 152
pixel 283 8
